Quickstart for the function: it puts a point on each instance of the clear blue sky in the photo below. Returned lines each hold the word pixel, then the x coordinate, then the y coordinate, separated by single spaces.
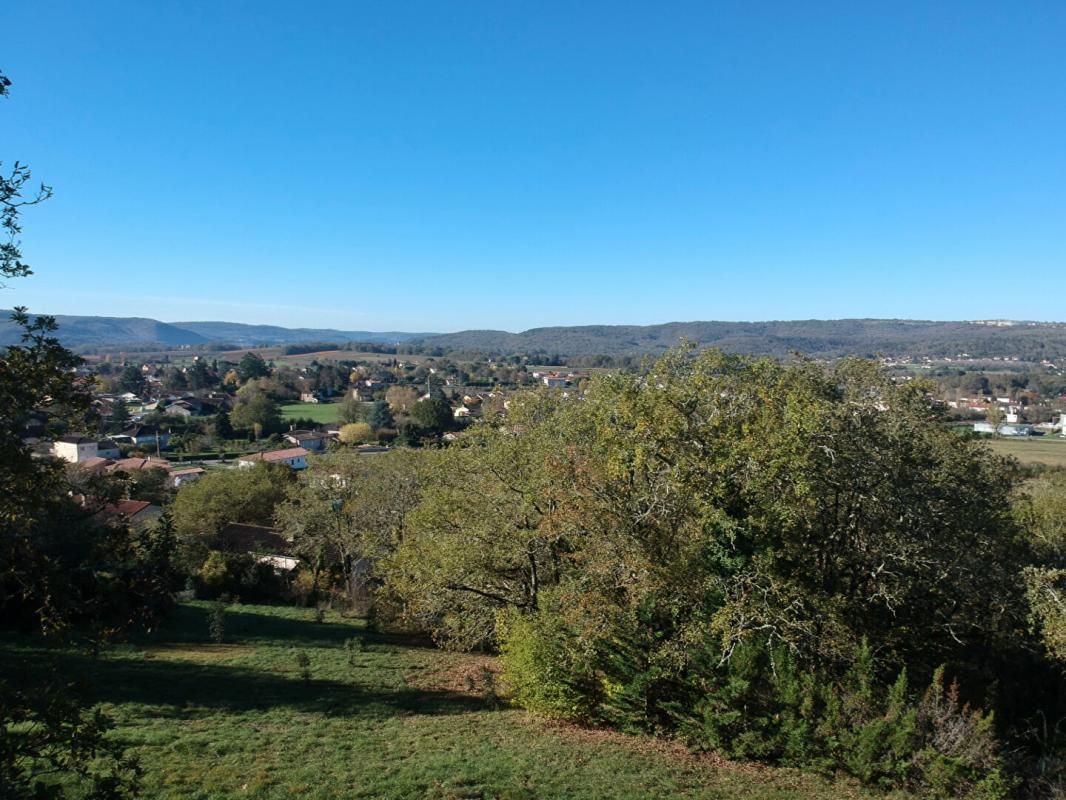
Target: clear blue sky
pixel 453 164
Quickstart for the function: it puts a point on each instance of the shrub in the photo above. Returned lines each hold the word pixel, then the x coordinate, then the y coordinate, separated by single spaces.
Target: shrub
pixel 303 665
pixel 217 621
pixel 356 433
pixel 239 574
pixel 214 574
pixel 539 667
pixel 764 706
pixel 960 757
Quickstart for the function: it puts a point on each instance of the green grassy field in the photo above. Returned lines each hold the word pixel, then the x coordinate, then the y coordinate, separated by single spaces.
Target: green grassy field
pixel 323 413
pixel 390 719
pixel 1050 450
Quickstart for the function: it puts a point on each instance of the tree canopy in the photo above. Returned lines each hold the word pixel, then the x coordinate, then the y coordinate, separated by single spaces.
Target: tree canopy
pixel 723 533
pixel 252 366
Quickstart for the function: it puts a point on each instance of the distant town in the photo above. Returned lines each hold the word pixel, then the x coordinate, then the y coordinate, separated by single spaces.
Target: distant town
pixel 170 416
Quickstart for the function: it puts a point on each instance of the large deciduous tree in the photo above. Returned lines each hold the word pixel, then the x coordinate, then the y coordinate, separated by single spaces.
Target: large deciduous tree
pixel 252 366
pixel 255 411
pixel 248 495
pixel 493 529
pixel 349 512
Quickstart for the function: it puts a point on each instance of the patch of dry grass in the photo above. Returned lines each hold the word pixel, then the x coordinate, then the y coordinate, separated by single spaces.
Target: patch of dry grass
pixel 1048 450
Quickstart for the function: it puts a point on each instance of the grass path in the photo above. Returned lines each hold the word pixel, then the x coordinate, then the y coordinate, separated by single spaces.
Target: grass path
pixel 387 719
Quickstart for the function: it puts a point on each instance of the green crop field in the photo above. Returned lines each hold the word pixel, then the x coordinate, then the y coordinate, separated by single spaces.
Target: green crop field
pixel 323 413
pixel 1050 450
pixel 382 717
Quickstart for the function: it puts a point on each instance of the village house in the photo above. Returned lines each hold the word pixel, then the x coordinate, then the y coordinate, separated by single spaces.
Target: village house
pixel 365 389
pixel 96 465
pixel 555 380
pixel 103 406
pixel 135 464
pixel 179 477
pixel 187 408
pixel 315 441
pixel 144 436
pixel 108 448
pixel 268 545
pixel 467 412
pixel 294 457
pixel 75 449
pixel 135 513
pixel 1003 430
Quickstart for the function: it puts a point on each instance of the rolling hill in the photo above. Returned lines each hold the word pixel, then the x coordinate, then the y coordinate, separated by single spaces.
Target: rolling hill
pixel 826 338
pixel 86 331
pixel 245 335
pixel 76 331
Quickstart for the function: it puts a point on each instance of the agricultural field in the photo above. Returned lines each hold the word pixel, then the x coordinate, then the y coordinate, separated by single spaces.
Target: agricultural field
pixel 287 707
pixel 321 413
pixel 1049 450
pixel 322 356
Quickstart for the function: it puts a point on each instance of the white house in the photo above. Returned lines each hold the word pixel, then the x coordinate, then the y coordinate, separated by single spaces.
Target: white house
pixel 180 477
pixel 1004 430
pixel 75 449
pixel 294 457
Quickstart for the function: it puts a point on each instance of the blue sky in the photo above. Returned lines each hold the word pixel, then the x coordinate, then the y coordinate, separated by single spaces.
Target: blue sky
pixel 445 165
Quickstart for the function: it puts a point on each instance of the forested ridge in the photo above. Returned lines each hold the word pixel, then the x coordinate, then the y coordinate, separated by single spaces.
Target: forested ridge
pixel 866 338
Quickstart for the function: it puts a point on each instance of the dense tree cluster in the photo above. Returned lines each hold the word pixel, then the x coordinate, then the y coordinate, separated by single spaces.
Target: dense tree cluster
pixel 785 562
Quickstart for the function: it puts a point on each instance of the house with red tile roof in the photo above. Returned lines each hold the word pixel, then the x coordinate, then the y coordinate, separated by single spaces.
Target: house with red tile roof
pixel 135 513
pixel 179 477
pixel 293 457
pixel 133 464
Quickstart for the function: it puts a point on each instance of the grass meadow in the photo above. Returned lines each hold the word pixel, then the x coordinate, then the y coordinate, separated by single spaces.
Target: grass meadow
pixel 373 716
pixel 322 413
pixel 1049 450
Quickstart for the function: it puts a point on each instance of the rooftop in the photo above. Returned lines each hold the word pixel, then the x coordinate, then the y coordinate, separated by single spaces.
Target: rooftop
pixel 276 455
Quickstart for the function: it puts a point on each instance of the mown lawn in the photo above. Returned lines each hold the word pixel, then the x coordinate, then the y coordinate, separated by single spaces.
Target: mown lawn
pixel 322 413
pixel 387 719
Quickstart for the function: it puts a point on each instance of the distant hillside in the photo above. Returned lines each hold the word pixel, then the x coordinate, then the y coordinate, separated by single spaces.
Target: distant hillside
pixel 828 338
pixel 76 331
pixel 245 335
pixel 824 338
pixel 80 331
